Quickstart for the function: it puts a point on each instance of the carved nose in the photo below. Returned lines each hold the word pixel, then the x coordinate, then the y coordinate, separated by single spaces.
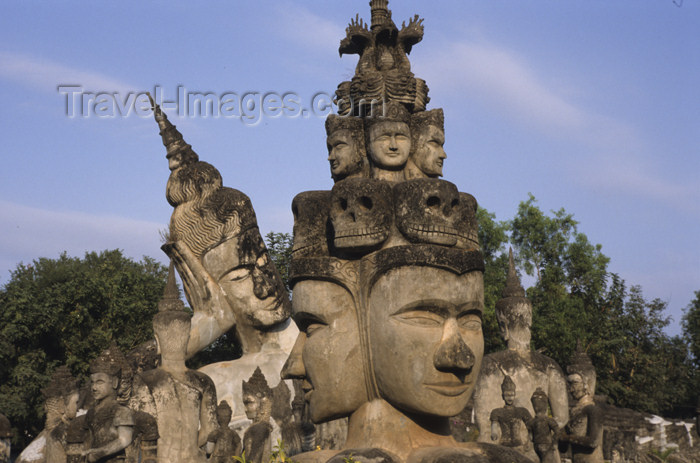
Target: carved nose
pixel 453 355
pixel 392 144
pixel 262 285
pixel 294 366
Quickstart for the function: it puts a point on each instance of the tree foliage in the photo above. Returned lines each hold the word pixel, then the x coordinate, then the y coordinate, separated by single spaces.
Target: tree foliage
pixel 66 311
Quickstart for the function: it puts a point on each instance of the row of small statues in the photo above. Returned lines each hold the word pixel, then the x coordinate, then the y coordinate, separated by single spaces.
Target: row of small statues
pixel 167 414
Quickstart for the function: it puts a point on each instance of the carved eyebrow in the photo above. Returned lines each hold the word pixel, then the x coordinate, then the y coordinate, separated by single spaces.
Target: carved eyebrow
pixel 472 307
pixel 436 306
pixel 304 319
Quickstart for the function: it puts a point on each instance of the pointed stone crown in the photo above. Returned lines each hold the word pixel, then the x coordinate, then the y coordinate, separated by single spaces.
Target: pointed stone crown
pixel 171 296
pixel 539 394
pixel 172 138
pixel 434 117
pixel 257 385
pixel 62 383
pixel 513 287
pixel 507 384
pixel 110 361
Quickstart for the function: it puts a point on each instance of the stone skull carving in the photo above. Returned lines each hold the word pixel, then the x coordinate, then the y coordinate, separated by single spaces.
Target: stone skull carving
pixel 361 213
pixel 310 210
pixel 428 211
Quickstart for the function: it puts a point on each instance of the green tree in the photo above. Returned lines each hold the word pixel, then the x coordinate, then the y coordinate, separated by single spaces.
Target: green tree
pixel 66 311
pixel 691 328
pixel 279 246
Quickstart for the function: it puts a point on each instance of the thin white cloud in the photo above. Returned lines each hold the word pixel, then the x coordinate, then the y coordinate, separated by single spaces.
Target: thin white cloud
pixel 47 75
pixel 307 28
pixel 29 233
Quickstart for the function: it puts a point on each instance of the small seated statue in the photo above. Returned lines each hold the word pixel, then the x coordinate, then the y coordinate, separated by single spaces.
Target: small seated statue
pixel 109 425
pixel 543 428
pixel 257 398
pixel 584 431
pixel 225 441
pixel 509 423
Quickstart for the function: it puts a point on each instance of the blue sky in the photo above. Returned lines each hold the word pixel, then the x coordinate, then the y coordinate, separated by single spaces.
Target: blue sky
pixel 589 105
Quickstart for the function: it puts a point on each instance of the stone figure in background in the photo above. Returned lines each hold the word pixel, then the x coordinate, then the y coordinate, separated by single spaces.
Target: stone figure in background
pixel 509 423
pixel 428 137
pixel 584 431
pixel 283 415
pixel 257 397
pixel 5 436
pixel 183 401
pixel 527 368
pixel 616 455
pixel 108 425
pixel 544 429
pixel 225 441
pixel 346 147
pixel 388 142
pixel 61 406
pixel 228 277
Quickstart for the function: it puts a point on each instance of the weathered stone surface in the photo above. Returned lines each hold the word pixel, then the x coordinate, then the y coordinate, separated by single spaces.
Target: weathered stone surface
pixel 528 369
pixel 509 423
pixel 428 137
pixel 257 397
pixel 584 431
pixel 224 441
pixel 388 138
pixel 346 147
pixel 228 277
pixel 183 401
pixel 544 430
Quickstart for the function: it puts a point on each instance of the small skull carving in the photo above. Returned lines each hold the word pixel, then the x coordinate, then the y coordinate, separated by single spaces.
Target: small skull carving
pixel 428 210
pixel 466 223
pixel 310 210
pixel 361 214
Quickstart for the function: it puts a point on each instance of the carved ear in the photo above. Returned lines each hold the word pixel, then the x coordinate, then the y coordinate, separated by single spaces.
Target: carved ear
pixel 115 382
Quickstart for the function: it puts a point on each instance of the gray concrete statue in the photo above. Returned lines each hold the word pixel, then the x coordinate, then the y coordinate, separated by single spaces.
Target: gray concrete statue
pixel 346 147
pixel 509 423
pixel 527 368
pixel 257 397
pixel 428 137
pixel 584 431
pixel 5 436
pixel 544 430
pixel 61 406
pixel 225 442
pixel 108 425
pixel 227 275
pixel 182 400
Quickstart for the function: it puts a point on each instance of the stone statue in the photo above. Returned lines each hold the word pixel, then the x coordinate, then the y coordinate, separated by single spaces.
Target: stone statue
pixel 584 431
pixel 257 397
pixel 388 142
pixel 183 401
pixel 346 147
pixel 509 423
pixel 544 429
pixel 227 275
pixel 527 368
pixel 225 441
pixel 61 406
pixel 109 426
pixel 428 137
pixel 5 436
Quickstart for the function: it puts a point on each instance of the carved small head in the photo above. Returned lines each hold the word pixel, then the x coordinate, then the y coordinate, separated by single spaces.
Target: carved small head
pixel 361 214
pixel 508 390
pixel 389 137
pixel 428 138
pixel 257 396
pixel 106 372
pixel 223 414
pixel 577 386
pixel 346 147
pixel 540 401
pixel 428 211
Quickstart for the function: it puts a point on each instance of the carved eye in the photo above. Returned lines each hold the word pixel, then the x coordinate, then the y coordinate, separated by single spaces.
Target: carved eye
pixel 433 202
pixel 366 203
pixel 343 203
pixel 455 203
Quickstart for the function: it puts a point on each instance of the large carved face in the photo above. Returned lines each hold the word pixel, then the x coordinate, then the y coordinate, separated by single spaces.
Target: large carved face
pixel 429 154
pixel 389 144
pixel 428 211
pixel 327 353
pixel 343 154
pixel 426 339
pixel 250 280
pixel 361 213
